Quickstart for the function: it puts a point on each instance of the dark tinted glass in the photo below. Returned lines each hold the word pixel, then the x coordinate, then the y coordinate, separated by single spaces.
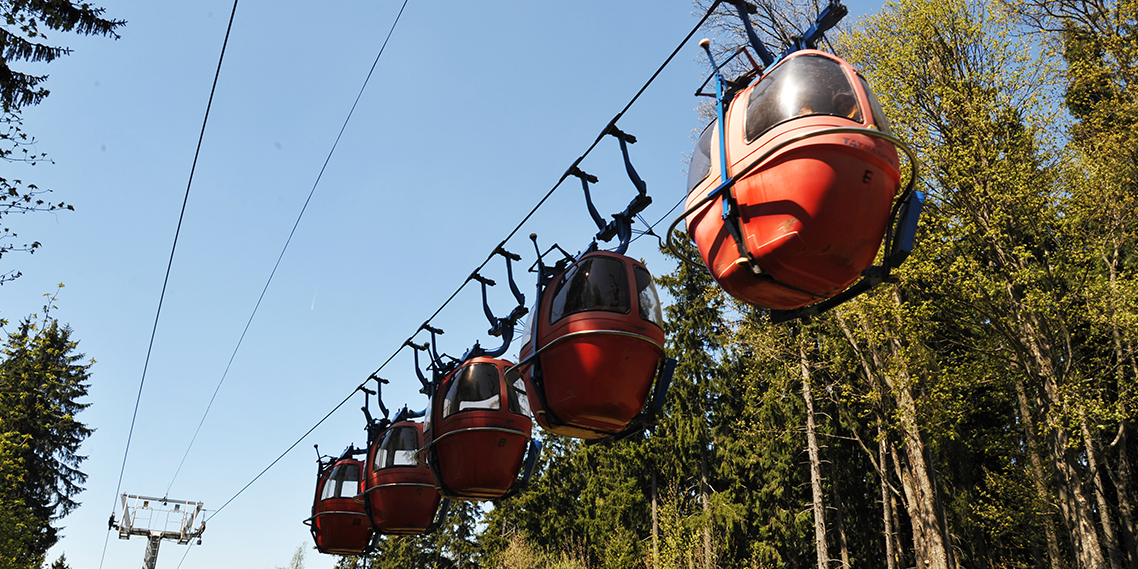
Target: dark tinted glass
pixel 647 298
pixel 700 165
pixel 875 108
pixel 343 483
pixel 398 448
pixel 802 86
pixel 596 283
pixel 519 399
pixel 475 386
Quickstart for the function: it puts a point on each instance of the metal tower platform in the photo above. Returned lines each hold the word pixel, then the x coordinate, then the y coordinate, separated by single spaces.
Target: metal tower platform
pixel 158 519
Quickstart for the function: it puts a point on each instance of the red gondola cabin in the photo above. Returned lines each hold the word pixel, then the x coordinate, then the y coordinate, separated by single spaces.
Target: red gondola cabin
pixel 401 496
pixel 813 210
pixel 480 429
pixel 339 523
pixel 600 344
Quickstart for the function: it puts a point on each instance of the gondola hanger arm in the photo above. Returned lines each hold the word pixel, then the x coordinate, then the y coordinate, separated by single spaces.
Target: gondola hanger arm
pixel 415 349
pixel 503 327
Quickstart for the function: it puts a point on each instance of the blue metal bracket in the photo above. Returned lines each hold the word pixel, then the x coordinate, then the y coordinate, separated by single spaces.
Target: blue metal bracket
pixel 745 8
pixel 440 518
pixel 439 370
pixel 626 139
pixel 662 384
pixel 406 414
pixel 374 427
pixel 827 19
pixel 503 327
pixel 587 178
pixel 621 225
pixel 428 388
pixel 906 230
pixel 532 452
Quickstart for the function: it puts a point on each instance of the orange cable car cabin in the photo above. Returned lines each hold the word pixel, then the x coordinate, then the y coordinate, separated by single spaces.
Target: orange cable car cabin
pixel 812 209
pixel 401 497
pixel 339 523
pixel 600 343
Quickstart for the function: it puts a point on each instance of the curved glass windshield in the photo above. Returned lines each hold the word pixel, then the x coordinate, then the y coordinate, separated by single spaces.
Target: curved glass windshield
pixel 700 165
pixel 648 299
pixel 397 448
pixel 475 386
pixel 519 399
pixel 802 86
pixel 875 108
pixel 344 482
pixel 596 283
pixel 527 331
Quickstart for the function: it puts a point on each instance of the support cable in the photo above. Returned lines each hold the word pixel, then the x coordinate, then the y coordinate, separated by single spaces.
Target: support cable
pixel 489 257
pixel 287 242
pixel 169 265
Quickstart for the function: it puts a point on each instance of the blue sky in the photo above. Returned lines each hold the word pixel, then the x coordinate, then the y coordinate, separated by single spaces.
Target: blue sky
pixel 472 114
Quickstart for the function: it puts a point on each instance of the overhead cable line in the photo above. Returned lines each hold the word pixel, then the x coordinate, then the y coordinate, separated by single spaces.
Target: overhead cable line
pixel 489 257
pixel 169 265
pixel 658 221
pixel 287 242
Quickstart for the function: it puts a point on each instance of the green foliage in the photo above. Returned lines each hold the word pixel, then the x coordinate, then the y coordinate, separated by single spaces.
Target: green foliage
pixel 42 380
pixel 60 563
pixel 590 495
pixel 23 30
pixel 454 544
pixel 19 528
pixel 22 34
pixel 978 412
pixel 297 560
pixel 518 554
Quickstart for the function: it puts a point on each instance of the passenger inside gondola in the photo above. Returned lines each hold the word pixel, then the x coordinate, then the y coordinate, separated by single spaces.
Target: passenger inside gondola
pixel 801 86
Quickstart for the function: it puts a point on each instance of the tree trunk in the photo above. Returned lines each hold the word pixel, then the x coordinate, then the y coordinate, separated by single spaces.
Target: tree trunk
pixel 1123 481
pixel 1121 477
pixel 655 526
pixel 921 501
pixel 823 551
pixel 925 509
pixel 886 502
pixel 706 500
pixel 1104 508
pixel 1073 501
pixel 1038 476
pixel 839 518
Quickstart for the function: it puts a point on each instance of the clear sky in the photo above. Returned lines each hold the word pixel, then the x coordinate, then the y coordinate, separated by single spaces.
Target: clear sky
pixel 473 113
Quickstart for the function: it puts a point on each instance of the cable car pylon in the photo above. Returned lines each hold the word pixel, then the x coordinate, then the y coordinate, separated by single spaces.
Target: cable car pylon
pixel 158 519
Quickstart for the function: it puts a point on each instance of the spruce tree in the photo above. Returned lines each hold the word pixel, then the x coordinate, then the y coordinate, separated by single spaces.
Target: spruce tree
pixel 42 382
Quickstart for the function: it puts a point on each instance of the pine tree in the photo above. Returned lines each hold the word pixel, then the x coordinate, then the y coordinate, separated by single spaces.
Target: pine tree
pixel 42 382
pixel 21 39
